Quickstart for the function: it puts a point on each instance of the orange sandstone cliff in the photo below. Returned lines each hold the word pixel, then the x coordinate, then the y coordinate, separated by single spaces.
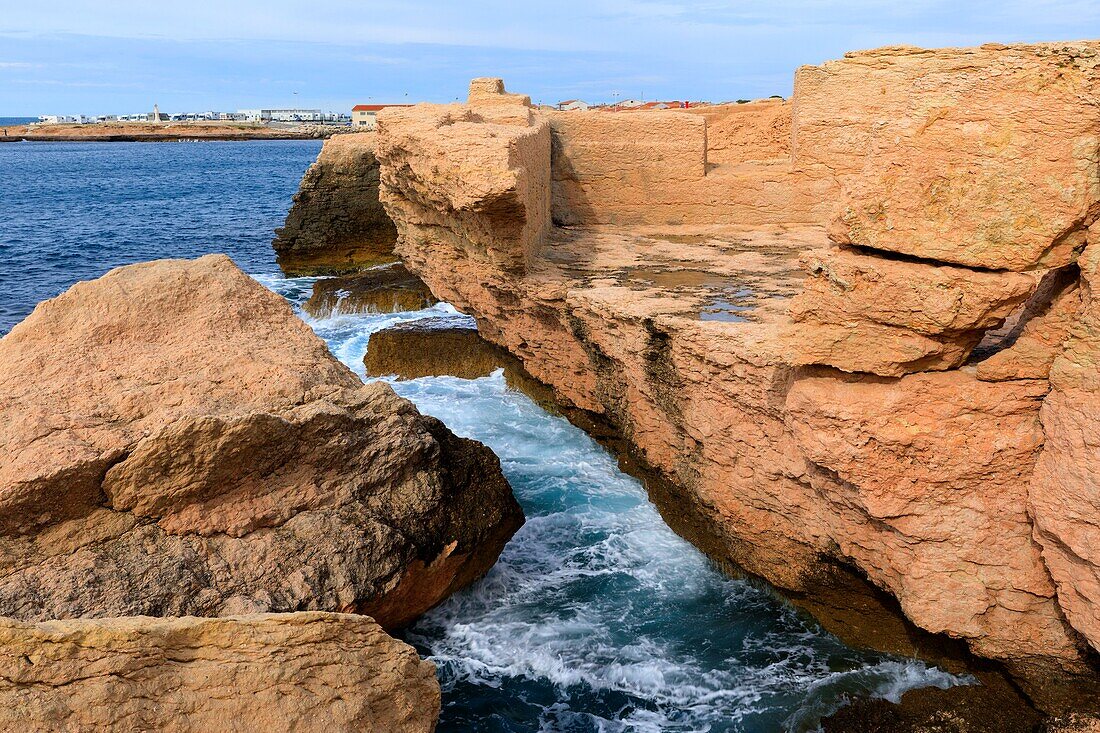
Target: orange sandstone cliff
pixel 858 328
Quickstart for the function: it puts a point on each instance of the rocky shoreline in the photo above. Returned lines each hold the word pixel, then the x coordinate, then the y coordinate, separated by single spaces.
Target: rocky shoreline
pixel 833 352
pixel 161 132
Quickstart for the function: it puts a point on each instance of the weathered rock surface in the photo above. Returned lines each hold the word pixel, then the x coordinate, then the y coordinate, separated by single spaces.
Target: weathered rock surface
pixel 432 347
pixel 685 337
pixel 271 672
pixel 177 442
pixel 862 313
pixel 336 223
pixel 1038 332
pixel 1065 490
pixel 381 289
pixel 479 174
pixel 984 157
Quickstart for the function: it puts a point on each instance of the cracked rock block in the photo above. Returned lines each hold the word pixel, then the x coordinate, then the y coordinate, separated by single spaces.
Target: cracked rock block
pixel 178 442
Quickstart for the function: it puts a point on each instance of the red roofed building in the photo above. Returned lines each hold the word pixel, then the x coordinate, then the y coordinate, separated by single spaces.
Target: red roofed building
pixel 363 115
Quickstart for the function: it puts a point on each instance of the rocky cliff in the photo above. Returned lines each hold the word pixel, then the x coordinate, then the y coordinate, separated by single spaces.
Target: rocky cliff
pixel 336 223
pixel 835 344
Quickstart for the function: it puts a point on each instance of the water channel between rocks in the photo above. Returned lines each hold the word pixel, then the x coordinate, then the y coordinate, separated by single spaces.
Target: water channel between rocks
pixel 597 616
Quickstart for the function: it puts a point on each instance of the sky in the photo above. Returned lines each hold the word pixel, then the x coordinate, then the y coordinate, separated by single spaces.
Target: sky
pixel 122 56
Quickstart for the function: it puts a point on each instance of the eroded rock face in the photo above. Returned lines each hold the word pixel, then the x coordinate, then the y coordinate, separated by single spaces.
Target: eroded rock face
pixel 302 671
pixel 863 313
pixel 337 223
pixel 478 173
pixel 1065 490
pixel 910 465
pixel 976 156
pixel 178 442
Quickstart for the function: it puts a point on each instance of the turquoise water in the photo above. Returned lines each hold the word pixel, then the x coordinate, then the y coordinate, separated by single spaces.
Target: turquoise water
pixel 597 617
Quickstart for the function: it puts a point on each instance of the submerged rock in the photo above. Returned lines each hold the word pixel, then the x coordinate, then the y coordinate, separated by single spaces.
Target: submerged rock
pixel 384 289
pixel 315 672
pixel 178 442
pixel 336 223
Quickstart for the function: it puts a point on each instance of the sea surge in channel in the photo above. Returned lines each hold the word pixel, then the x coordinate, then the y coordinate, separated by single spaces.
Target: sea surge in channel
pixel 597 616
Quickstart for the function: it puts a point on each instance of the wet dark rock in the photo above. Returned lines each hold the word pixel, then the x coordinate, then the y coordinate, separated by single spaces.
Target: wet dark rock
pixel 383 289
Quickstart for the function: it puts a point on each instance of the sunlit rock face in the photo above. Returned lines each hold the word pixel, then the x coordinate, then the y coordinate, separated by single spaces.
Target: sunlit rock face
pixel 983 157
pixel 178 442
pixel 885 412
pixel 312 672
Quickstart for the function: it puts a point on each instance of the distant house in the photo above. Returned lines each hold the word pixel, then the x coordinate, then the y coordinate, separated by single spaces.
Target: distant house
pixel 570 104
pixel 364 115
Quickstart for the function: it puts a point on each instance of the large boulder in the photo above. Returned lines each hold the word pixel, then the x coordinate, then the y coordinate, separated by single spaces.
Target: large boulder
pixel 977 156
pixel 863 313
pixel 308 672
pixel 475 174
pixel 178 442
pixel 337 223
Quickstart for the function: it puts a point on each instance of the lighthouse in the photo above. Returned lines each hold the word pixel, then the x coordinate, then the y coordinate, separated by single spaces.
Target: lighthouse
pixel 157 115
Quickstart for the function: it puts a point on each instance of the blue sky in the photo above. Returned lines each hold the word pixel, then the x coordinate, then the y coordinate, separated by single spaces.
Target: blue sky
pixel 120 56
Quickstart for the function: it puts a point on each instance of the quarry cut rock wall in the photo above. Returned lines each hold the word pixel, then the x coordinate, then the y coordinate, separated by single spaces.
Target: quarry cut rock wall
pixel 921 407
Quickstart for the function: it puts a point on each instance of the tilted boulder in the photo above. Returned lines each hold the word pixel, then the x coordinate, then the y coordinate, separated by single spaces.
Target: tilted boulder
pixel 337 223
pixel 178 442
pixel 863 313
pixel 977 156
pixel 309 672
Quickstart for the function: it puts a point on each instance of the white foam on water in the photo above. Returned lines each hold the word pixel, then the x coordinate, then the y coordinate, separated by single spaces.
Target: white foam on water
pixel 597 600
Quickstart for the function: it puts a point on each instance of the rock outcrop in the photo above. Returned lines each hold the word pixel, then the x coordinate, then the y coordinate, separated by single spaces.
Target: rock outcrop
pixel 336 223
pixel 273 672
pixel 928 194
pixel 983 157
pixel 177 442
pixel 381 289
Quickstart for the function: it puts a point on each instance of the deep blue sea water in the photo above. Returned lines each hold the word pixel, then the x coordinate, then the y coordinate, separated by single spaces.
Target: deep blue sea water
pixel 597 616
pixel 72 211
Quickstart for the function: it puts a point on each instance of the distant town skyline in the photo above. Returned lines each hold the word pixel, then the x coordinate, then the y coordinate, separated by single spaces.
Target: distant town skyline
pixel 73 57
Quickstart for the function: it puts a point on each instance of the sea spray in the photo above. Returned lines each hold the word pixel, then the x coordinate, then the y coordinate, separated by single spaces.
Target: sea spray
pixel 597 617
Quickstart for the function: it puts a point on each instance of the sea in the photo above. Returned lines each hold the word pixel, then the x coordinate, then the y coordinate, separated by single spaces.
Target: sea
pixel 597 617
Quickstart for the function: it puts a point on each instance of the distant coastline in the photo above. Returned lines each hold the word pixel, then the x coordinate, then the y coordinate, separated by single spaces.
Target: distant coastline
pixel 160 132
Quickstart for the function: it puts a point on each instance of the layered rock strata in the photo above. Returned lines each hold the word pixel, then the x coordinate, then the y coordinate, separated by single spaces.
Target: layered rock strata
pixel 274 672
pixel 927 198
pixel 177 442
pixel 336 223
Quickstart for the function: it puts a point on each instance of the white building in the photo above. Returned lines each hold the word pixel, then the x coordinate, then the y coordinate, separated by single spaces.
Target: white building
pixel 282 115
pixel 573 104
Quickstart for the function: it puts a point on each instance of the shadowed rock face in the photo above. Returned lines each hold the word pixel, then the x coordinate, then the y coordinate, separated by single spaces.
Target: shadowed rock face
pixel 843 425
pixel 311 672
pixel 177 442
pixel 336 223
pixel 382 289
